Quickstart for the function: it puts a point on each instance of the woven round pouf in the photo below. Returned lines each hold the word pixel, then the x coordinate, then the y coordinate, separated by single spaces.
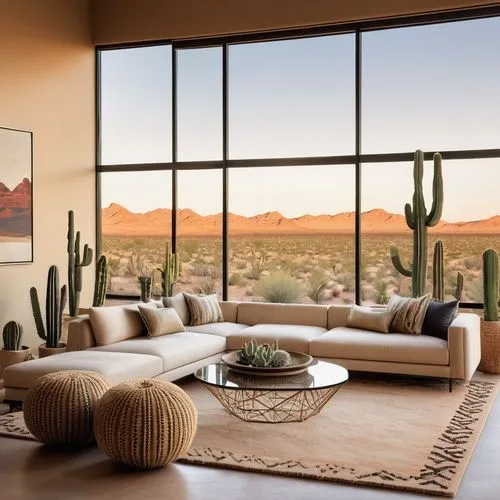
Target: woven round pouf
pixel 145 423
pixel 59 407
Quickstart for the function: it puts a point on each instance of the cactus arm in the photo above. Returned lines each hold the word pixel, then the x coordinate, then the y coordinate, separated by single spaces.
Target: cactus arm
pixel 87 256
pixel 53 311
pixel 410 218
pixel 396 261
pixel 437 193
pixel 37 314
pixel 490 285
pixel 438 272
pixel 460 286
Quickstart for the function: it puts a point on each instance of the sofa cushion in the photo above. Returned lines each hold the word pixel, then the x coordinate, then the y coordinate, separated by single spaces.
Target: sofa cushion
pixel 438 318
pixel 178 302
pixel 223 328
pixel 176 349
pixel 161 321
pixel 203 309
pixel 350 343
pixel 116 367
pixel 409 313
pixel 115 323
pixel 229 310
pixel 256 313
pixel 337 315
pixel 367 319
pixel 289 337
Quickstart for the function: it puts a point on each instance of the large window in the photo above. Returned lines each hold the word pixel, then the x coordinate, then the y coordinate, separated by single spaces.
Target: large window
pixel 257 160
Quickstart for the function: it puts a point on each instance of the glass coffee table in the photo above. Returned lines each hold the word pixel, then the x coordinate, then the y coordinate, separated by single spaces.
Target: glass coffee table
pixel 273 399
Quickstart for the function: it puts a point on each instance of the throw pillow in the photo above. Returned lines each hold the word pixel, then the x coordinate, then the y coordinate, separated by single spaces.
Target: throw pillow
pixel 161 321
pixel 203 309
pixel 178 302
pixel 367 319
pixel 439 317
pixel 409 313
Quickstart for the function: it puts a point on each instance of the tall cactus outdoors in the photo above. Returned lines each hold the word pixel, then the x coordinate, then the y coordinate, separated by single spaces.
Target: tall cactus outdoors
pixel 418 220
pixel 438 275
pixel 490 285
pixel 101 282
pixel 75 264
pixel 12 334
pixel 55 301
pixel 169 272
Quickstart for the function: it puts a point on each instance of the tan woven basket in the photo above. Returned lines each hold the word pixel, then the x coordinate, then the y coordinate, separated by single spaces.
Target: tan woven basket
pixel 490 347
pixel 59 407
pixel 145 423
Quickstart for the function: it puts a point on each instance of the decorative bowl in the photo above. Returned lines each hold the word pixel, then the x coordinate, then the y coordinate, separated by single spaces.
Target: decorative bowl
pixel 299 364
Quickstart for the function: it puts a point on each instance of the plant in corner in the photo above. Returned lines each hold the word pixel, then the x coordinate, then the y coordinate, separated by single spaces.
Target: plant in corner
pixel 13 351
pixel 490 325
pixel 55 301
pixel 75 264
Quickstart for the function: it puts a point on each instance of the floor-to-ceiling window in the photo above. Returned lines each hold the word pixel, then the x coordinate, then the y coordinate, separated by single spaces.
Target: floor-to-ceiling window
pixel 257 159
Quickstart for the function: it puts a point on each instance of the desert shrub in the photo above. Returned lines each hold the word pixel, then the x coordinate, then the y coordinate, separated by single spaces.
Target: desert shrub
pixel 346 280
pixel 279 288
pixel 235 279
pixel 316 286
pixel 207 286
pixel 240 265
pixel 473 263
pixel 205 270
pixel 257 265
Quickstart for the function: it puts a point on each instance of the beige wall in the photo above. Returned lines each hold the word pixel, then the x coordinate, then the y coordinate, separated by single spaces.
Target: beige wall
pixel 47 86
pixel 116 21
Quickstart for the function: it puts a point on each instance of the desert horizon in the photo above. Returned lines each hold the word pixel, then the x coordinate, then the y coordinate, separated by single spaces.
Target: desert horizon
pixel 117 220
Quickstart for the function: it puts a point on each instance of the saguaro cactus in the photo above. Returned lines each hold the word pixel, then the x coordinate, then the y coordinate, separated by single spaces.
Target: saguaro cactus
pixel 101 282
pixel 12 333
pixel 418 220
pixel 438 290
pixel 490 285
pixel 75 264
pixel 169 272
pixel 55 301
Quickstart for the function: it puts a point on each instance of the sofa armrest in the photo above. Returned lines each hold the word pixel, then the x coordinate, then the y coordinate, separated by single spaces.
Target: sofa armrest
pixel 80 334
pixel 464 344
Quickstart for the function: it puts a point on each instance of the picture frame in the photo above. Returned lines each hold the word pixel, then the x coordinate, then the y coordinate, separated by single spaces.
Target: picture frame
pixel 16 196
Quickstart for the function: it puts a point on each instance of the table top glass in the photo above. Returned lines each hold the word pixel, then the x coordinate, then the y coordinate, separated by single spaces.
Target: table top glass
pixel 319 375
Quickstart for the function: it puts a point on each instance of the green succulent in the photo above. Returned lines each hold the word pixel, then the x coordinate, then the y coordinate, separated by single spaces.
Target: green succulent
pixel 281 358
pixel 263 355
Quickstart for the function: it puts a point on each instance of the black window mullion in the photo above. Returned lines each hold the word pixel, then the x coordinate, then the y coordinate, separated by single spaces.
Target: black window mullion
pixel 357 219
pixel 174 151
pixel 225 175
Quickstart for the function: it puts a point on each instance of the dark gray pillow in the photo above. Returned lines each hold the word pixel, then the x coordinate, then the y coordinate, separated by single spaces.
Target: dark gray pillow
pixel 438 318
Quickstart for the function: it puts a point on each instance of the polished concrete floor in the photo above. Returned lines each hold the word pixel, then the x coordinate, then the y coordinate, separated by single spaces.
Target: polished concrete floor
pixel 29 470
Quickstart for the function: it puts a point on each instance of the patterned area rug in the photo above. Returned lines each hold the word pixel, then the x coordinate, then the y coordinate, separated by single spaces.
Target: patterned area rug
pixel 390 432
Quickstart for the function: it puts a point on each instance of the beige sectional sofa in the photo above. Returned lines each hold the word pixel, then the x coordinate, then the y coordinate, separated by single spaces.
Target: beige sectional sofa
pixel 114 344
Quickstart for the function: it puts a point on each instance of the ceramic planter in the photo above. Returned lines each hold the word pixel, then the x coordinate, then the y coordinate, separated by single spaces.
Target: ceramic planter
pixel 8 358
pixel 44 351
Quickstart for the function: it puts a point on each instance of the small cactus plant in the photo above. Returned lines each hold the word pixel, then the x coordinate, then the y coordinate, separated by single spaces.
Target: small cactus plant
pixel 55 301
pixel 263 355
pixel 281 358
pixel 75 264
pixel 490 285
pixel 169 272
pixel 438 275
pixel 12 334
pixel 101 282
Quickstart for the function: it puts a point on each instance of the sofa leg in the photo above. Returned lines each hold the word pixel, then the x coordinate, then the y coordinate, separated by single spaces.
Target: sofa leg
pixel 450 384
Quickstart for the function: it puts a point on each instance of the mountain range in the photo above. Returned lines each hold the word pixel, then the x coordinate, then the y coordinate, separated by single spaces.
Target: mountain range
pixel 118 221
pixel 15 209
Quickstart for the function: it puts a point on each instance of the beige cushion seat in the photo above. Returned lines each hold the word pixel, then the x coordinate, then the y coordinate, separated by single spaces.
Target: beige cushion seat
pixel 116 367
pixel 224 328
pixel 174 349
pixel 289 337
pixel 351 343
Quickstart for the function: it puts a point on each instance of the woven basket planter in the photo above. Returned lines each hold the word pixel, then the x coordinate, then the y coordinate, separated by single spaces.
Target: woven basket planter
pixel 59 407
pixel 490 347
pixel 145 423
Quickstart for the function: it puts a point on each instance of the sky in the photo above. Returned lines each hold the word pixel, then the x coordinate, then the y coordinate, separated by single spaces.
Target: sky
pixel 431 87
pixel 15 157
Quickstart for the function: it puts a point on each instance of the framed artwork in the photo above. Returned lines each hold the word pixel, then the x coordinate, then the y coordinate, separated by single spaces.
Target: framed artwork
pixel 16 196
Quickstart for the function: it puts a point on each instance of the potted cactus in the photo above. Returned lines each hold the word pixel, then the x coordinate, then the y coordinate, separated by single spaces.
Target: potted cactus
pixel 13 351
pixel 490 325
pixel 55 301
pixel 169 272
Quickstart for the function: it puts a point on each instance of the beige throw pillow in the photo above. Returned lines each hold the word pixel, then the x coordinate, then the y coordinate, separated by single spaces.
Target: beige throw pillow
pixel 178 302
pixel 161 321
pixel 203 309
pixel 367 319
pixel 409 314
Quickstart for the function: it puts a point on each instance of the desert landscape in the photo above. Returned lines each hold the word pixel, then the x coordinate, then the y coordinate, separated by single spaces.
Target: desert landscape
pixel 307 259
